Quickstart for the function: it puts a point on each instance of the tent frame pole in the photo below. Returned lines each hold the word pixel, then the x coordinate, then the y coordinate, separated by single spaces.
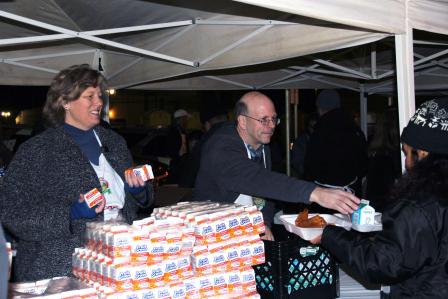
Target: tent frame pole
pixel 363 110
pixel 405 78
pixel 95 39
pixel 288 133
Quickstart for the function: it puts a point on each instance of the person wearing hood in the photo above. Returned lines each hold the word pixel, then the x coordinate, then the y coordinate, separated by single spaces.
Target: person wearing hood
pixel 411 252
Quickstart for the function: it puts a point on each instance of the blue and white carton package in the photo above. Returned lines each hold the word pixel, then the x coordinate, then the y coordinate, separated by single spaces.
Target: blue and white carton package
pixel 364 215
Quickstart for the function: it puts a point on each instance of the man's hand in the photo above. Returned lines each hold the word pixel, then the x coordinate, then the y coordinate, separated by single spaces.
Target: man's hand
pixel 316 240
pixel 268 236
pixel 335 199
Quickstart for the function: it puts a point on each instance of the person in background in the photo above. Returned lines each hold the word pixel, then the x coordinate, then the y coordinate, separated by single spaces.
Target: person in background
pixel 177 143
pixel 411 253
pixel 41 203
pixel 177 137
pixel 236 165
pixel 212 117
pixel 185 164
pixel 384 159
pixel 336 156
pixel 299 147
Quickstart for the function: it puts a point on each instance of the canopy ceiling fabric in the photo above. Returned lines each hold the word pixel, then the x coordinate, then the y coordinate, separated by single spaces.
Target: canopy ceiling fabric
pixel 135 42
pixel 429 15
pixel 202 44
pixel 382 15
pixel 368 67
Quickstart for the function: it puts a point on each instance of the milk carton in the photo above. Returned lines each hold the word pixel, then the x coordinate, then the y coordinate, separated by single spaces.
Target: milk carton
pixel 364 215
pixel 143 171
pixel 93 197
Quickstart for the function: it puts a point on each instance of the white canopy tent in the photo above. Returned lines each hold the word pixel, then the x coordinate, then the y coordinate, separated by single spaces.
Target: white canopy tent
pixel 137 41
pixel 371 66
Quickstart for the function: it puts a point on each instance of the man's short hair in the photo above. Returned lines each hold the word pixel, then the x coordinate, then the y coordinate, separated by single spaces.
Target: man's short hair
pixel 240 109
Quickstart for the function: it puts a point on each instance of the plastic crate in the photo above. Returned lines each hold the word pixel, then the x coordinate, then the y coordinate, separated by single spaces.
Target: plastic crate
pixel 296 269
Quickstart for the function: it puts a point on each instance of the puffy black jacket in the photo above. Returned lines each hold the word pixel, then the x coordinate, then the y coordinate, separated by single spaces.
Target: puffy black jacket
pixel 410 254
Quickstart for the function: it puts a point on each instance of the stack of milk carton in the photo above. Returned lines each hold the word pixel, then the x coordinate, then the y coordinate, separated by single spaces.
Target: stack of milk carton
pixel 190 250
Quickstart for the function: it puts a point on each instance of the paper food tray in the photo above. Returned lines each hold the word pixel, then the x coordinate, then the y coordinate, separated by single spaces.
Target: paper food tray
pixel 310 233
pixel 377 226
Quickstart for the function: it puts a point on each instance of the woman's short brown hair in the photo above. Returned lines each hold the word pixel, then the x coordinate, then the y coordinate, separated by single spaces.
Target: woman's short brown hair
pixel 67 86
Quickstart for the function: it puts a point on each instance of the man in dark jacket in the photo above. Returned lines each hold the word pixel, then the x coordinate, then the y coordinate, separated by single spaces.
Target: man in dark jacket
pixel 337 150
pixel 236 165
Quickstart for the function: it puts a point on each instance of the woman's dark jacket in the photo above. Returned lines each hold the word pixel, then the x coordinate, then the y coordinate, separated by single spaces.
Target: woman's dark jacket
pixel 46 176
pixel 411 253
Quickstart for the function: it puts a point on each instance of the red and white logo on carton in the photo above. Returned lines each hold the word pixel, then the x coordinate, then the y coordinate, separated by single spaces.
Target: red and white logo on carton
pixel 93 197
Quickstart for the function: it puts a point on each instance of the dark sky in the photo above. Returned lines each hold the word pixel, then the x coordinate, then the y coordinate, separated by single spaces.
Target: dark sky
pixel 16 98
pixel 22 97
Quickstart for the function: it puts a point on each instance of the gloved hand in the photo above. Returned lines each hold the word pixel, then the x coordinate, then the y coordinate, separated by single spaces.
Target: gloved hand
pixel 138 192
pixel 134 190
pixel 80 209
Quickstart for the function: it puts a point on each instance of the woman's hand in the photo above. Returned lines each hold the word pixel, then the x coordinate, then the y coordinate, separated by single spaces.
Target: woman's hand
pixel 133 180
pixel 99 207
pixel 80 209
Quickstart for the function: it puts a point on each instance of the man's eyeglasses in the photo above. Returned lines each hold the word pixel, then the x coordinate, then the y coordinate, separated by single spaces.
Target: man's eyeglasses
pixel 265 121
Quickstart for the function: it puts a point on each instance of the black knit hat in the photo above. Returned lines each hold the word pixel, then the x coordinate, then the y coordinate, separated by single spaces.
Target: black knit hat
pixel 428 128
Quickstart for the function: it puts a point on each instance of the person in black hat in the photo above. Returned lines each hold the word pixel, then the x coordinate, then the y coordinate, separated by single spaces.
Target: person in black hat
pixel 411 253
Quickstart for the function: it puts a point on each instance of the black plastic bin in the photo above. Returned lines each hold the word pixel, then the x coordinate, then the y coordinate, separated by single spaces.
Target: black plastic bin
pixel 297 269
